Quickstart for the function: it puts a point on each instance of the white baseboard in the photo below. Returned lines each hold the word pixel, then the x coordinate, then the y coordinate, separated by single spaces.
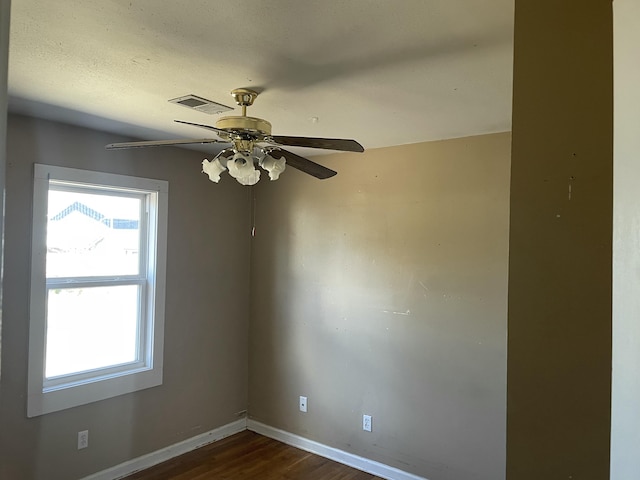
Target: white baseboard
pixel 159 456
pixel 340 456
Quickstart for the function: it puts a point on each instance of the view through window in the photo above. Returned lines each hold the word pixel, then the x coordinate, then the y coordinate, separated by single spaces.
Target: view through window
pixel 93 245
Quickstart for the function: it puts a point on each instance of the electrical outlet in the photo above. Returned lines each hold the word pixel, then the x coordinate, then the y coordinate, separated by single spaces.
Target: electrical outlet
pixel 303 403
pixel 366 423
pixel 83 439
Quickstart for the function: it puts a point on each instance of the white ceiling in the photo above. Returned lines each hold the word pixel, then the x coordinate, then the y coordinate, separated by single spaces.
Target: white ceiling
pixel 380 71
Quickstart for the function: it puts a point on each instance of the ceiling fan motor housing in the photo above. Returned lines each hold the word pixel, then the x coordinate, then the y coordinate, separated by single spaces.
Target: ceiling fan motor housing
pixel 249 125
pixel 243 132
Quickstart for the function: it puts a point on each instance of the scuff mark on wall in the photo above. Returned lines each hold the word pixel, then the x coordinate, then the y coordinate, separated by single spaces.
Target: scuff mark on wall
pixel 408 312
pixel 571 179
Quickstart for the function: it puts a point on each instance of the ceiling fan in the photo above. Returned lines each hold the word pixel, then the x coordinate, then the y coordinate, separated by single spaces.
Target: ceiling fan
pixel 245 134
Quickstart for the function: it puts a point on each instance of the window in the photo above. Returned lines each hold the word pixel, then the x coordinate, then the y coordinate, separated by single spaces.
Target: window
pixel 97 287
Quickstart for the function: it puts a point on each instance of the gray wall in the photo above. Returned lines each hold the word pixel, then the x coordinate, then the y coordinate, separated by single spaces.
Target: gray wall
pixel 205 366
pixel 559 362
pixel 384 291
pixel 5 7
pixel 625 421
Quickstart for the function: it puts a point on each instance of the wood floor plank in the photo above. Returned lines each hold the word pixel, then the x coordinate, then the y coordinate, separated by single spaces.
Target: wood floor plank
pixel 250 456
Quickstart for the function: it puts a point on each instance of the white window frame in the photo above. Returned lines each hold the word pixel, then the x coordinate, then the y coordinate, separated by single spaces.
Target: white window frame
pixel 50 395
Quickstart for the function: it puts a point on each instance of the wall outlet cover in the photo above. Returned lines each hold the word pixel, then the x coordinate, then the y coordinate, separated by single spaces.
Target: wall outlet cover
pixel 83 439
pixel 366 423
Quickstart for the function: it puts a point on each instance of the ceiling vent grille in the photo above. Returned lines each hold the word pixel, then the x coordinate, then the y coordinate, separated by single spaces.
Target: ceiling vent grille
pixel 200 104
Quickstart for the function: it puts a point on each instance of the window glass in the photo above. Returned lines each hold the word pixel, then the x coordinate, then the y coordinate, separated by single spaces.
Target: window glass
pixel 92 234
pixel 91 328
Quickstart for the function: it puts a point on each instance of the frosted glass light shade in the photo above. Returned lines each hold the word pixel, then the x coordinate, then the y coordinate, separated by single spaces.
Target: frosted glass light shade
pixel 213 168
pixel 274 166
pixel 242 169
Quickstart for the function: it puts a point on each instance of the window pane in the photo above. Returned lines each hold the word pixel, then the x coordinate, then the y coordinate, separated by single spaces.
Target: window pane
pixel 92 234
pixel 90 328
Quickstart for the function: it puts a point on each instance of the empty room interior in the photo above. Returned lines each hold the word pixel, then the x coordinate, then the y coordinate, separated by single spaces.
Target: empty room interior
pixel 402 243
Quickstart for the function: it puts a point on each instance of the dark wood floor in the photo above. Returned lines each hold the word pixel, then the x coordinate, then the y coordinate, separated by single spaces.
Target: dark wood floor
pixel 249 456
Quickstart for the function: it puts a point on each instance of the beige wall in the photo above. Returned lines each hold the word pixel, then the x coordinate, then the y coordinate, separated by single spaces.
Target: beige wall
pixel 205 364
pixel 559 362
pixel 384 291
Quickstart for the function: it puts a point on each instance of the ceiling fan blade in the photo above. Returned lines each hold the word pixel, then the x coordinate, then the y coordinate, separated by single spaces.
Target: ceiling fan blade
pixel 303 164
pixel 326 143
pixel 159 143
pixel 208 127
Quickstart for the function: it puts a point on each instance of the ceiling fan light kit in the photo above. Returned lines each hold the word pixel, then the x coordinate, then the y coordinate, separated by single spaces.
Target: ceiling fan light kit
pixel 245 133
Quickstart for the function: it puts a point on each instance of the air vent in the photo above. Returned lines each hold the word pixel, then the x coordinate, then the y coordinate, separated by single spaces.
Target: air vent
pixel 200 104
